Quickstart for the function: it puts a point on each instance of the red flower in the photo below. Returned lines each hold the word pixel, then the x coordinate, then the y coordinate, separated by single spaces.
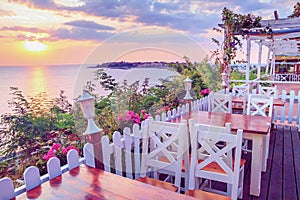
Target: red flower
pixel 167 108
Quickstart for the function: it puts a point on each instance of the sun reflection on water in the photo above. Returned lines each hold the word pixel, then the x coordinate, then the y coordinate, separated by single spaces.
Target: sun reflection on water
pixel 38 79
pixel 40 100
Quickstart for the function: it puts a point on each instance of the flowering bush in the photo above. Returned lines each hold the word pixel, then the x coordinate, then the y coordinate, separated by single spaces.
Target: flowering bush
pixel 60 152
pixel 130 118
pixel 205 92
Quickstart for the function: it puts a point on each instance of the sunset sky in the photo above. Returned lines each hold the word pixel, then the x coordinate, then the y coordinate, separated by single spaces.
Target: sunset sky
pixel 40 32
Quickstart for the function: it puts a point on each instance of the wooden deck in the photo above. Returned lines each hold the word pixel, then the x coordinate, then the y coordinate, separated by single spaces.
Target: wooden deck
pixel 282 178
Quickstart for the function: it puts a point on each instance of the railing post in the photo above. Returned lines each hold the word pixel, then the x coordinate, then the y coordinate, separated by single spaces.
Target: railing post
pixel 95 140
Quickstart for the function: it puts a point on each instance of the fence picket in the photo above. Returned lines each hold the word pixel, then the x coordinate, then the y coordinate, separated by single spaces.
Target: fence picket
pixel 118 145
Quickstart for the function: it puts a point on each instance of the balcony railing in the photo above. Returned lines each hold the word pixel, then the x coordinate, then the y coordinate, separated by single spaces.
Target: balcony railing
pixel 287 77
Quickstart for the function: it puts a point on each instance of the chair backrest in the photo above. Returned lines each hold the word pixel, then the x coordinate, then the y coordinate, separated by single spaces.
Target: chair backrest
pixel 89 155
pixel 210 161
pixel 72 159
pixel 219 129
pixel 53 167
pixel 219 102
pixel 240 90
pixel 32 177
pixel 164 149
pixel 260 105
pixel 268 91
pixel 7 189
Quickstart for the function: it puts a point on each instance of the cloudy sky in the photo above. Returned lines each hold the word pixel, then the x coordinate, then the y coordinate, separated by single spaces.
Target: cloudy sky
pixel 40 32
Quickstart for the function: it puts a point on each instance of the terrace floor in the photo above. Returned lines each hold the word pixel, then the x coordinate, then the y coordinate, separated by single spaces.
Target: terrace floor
pixel 282 178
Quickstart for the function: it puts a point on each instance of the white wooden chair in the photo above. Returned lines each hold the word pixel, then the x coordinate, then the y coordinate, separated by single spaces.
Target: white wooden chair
pixel 241 91
pixel 219 102
pixel 268 91
pixel 259 104
pixel 32 177
pixel 165 151
pixel 72 159
pixel 208 161
pixel 89 155
pixel 53 167
pixel 7 189
pixel 117 156
pixel 262 105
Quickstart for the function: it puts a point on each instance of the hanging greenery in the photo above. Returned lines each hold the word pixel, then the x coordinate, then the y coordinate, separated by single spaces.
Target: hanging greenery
pixel 234 25
pixel 296 12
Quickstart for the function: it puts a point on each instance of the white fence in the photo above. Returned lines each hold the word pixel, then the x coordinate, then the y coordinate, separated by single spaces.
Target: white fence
pixel 289 114
pixel 71 161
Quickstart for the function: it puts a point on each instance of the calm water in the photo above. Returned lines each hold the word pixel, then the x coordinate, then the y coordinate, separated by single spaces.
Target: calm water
pixel 33 80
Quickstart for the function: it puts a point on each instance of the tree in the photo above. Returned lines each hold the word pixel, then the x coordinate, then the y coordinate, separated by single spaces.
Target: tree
pixel 296 12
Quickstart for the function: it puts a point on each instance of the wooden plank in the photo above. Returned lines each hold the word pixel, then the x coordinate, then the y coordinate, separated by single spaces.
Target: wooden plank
pixel 296 155
pixel 275 187
pixel 289 182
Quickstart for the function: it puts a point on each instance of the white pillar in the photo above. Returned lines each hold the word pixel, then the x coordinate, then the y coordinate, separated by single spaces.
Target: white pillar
pixel 259 60
pixel 268 61
pixel 248 59
pixel 272 70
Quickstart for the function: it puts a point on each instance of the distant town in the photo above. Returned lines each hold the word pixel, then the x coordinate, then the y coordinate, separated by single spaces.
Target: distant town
pixel 129 65
pixel 161 64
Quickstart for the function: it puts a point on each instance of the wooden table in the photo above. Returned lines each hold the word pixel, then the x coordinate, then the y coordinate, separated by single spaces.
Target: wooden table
pixel 254 128
pixel 90 183
pixel 240 100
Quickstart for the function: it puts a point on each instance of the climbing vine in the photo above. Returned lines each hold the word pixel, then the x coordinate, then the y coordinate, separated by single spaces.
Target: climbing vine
pixel 234 25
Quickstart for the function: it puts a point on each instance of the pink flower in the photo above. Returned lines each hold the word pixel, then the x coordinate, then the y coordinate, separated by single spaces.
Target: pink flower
pixel 46 157
pixel 71 147
pixel 55 146
pixel 64 150
pixel 51 153
pixel 143 112
pixel 131 113
pixel 146 116
pixel 121 118
pixel 167 108
pixel 205 91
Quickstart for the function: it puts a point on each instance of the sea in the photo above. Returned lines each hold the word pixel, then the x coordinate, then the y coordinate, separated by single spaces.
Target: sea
pixel 51 79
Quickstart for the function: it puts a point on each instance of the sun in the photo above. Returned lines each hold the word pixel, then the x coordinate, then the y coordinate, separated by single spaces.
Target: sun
pixel 35 46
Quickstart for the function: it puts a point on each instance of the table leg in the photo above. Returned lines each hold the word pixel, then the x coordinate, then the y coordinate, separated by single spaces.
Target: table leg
pixel 265 153
pixel 256 162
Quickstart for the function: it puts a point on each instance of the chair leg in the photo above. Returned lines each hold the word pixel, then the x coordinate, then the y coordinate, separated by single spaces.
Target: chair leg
pixel 241 183
pixel 197 183
pixel 229 190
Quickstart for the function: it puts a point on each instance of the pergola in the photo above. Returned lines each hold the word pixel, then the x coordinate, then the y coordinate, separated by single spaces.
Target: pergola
pixel 284 40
